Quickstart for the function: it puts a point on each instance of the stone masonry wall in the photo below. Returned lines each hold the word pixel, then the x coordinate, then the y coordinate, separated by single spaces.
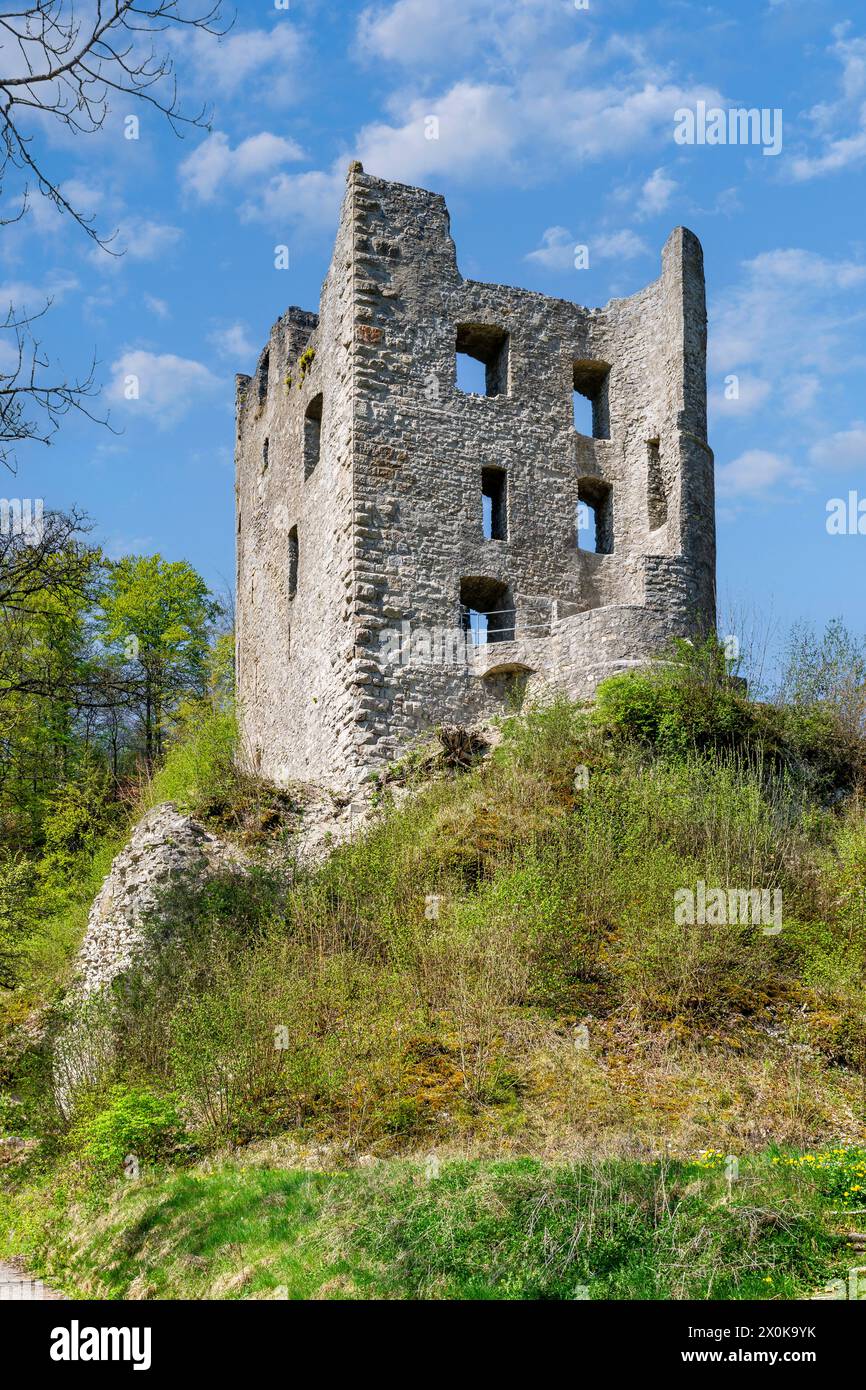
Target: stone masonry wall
pixel 389 523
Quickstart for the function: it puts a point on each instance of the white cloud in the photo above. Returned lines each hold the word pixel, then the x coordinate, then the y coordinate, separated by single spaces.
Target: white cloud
pixel 547 118
pixel 800 392
pixel 25 296
pixel 233 342
pixel 157 306
pixel 139 239
pixel 794 267
pixel 550 117
pixel 45 217
pixel 214 165
pixel 511 34
pixel 655 194
pixel 533 90
pixel 754 472
pixel 567 98
pixel 752 390
pixel 844 449
pixel 556 251
pixel 85 197
pixel 414 31
pixel 725 205
pixel 789 329
pixel 618 246
pixel 839 151
pixel 116 547
pixel 789 315
pixel 839 154
pixel 311 198
pixel 588 122
pixel 267 60
pixel 558 246
pixel 479 129
pixel 9 362
pixel 167 386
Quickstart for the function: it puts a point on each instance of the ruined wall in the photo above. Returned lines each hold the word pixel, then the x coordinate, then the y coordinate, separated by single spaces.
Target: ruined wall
pixel 293 649
pixel 392 523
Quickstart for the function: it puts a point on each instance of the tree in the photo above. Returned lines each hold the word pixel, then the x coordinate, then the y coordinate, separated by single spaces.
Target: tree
pixel 49 580
pixel 155 620
pixel 61 62
pixel 49 575
pixel 828 670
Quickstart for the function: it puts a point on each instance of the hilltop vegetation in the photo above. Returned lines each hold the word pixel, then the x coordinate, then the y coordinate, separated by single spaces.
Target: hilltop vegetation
pixel 494 973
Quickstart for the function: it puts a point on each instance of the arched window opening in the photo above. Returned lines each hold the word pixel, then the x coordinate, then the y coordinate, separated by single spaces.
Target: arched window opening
pixel 595 516
pixel 312 434
pixel 487 610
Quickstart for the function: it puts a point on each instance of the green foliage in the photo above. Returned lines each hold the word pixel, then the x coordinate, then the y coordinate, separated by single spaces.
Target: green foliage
pixel 686 705
pixel 690 704
pixel 609 1230
pixel 469 1231
pixel 79 815
pixel 839 1174
pixel 199 765
pixel 827 673
pixel 422 985
pixel 132 1121
pixel 16 877
pixel 221 673
pixel 554 897
pixel 156 616
pixel 46 593
pixel 305 362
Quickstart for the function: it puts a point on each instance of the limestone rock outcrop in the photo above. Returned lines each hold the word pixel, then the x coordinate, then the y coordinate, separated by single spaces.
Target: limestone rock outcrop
pixel 164 848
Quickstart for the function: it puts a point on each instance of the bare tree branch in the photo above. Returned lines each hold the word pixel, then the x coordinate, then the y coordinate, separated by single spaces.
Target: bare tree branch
pixel 31 404
pixel 66 61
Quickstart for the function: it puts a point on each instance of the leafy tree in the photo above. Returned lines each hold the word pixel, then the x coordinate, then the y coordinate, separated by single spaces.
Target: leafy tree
pixel 156 618
pixel 47 576
pixel 49 581
pixel 221 672
pixel 827 671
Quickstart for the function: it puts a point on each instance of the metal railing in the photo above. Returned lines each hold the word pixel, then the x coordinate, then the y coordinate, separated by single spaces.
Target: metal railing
pixel 483 636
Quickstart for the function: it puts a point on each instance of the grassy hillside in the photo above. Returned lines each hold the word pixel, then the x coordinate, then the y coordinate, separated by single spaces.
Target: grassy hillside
pixel 463 1230
pixel 496 975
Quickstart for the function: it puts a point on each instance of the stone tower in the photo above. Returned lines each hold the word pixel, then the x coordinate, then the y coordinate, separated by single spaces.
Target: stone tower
pixel 406 550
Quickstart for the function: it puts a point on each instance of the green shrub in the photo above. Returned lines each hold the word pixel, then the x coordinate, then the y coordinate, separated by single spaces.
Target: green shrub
pixel 16 877
pixel 130 1122
pixel 200 762
pixel 689 704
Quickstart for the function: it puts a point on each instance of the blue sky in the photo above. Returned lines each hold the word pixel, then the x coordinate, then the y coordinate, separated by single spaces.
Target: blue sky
pixel 556 127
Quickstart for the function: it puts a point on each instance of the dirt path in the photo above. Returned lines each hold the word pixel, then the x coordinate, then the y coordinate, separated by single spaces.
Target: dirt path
pixel 14 1284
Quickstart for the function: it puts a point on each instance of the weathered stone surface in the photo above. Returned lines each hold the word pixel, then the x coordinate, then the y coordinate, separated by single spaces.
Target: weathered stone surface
pixel 16 1284
pixel 164 848
pixel 167 847
pixel 370 533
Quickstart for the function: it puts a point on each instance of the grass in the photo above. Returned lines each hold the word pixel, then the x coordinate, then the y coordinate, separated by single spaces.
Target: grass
pixel 603 1229
pixel 427 984
pixel 50 949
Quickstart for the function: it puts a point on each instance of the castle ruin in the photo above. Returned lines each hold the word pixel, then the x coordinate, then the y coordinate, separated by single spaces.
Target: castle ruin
pixel 407 551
